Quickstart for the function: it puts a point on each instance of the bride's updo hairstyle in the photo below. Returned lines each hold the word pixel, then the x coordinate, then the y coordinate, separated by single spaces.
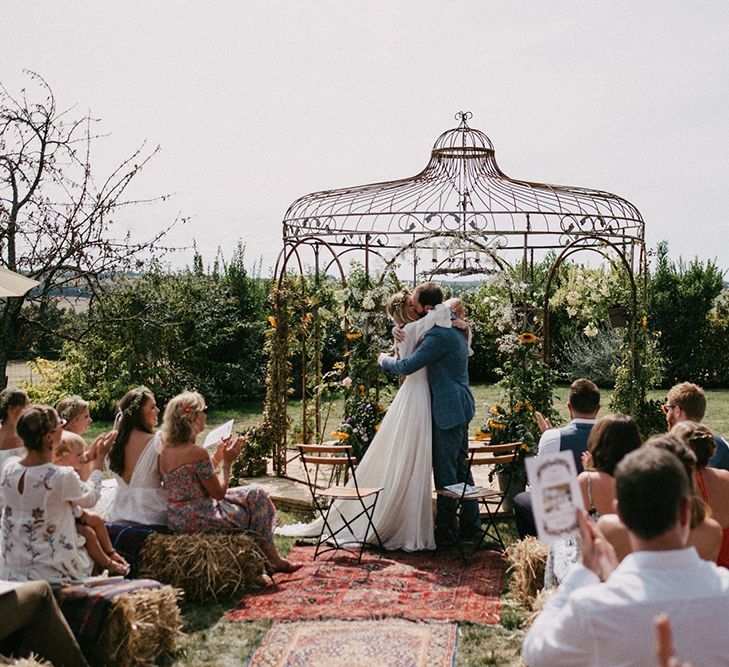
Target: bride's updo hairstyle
pixel 397 307
pixel 34 424
pixel 128 417
pixel 180 414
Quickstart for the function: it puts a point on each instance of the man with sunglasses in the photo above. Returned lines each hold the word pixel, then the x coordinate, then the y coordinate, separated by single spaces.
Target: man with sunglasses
pixel 686 401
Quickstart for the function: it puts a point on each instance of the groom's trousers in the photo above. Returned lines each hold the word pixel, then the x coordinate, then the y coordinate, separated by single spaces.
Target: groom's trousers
pixel 450 452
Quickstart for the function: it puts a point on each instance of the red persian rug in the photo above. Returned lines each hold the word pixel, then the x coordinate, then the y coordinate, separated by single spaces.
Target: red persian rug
pixel 419 586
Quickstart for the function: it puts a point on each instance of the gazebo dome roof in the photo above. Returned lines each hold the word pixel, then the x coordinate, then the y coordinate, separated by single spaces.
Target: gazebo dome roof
pixel 462 191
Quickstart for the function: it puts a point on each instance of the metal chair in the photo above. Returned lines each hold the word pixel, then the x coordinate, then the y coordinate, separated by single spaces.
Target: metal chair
pixel 485 454
pixel 336 463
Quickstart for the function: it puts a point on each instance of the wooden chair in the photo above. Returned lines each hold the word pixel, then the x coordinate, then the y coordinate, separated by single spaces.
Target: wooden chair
pixel 485 454
pixel 335 463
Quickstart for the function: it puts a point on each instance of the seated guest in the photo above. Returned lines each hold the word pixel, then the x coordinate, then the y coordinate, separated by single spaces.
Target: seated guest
pixel 90 525
pixel 75 410
pixel 687 402
pixel 711 483
pixel 201 501
pixel 603 612
pixel 134 458
pixel 583 405
pixel 38 525
pixel 13 402
pixel 610 440
pixel 705 534
pixel 32 622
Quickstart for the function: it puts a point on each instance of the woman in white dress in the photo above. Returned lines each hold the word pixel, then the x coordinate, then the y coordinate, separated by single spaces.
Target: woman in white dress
pixel 134 459
pixel 13 403
pixel 39 539
pixel 400 455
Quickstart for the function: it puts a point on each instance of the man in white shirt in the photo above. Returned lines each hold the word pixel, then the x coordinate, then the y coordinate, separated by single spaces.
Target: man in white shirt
pixel 603 613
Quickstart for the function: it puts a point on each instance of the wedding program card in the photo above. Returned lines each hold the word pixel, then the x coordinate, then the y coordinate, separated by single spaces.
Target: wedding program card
pixel 222 432
pixel 555 495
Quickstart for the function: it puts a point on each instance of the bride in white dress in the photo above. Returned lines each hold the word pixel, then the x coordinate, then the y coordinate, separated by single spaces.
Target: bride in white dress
pixel 400 455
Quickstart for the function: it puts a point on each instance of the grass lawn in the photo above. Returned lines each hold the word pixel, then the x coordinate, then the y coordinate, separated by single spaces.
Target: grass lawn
pixel 210 640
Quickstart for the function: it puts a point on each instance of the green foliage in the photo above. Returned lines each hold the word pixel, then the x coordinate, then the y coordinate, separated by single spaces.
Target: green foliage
pixel 171 332
pixel 680 300
pixel 594 357
pixel 640 368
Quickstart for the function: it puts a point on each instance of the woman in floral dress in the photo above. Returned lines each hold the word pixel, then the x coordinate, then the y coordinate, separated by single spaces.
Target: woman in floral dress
pixel 38 537
pixel 199 500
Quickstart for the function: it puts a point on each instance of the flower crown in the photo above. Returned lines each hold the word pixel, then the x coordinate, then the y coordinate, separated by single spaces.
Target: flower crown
pixel 73 403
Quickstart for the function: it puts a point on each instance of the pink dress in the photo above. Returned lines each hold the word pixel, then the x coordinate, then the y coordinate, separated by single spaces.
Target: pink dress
pixel 191 510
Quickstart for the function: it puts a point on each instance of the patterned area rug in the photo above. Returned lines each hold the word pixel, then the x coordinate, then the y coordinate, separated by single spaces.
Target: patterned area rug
pixel 420 586
pixel 393 642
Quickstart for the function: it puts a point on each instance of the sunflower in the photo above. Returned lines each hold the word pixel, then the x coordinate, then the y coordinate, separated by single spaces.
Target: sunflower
pixel 527 338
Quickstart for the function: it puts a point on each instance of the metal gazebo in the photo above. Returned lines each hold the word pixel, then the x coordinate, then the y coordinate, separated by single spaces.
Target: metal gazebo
pixel 461 216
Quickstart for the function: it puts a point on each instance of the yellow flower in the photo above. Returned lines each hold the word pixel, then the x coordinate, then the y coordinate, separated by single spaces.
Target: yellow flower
pixel 525 447
pixel 495 409
pixel 518 406
pixel 482 435
pixel 361 389
pixel 644 321
pixel 377 427
pixel 272 321
pixel 529 406
pixel 527 338
pixel 353 335
pixel 307 318
pixel 340 435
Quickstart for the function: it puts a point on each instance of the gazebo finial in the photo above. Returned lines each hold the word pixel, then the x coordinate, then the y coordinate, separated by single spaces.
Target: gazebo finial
pixel 463 116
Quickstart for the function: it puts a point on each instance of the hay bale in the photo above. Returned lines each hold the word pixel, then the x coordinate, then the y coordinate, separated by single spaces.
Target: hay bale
pixel 204 565
pixel 142 625
pixel 30 661
pixel 527 560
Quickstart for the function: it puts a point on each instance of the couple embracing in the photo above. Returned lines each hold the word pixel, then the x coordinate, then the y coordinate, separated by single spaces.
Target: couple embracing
pixel 424 432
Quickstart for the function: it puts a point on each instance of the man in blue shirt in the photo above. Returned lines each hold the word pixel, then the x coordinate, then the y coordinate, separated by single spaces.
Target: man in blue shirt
pixel 686 401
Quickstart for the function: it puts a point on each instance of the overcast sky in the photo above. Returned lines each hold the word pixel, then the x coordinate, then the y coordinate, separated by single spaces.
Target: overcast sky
pixel 257 103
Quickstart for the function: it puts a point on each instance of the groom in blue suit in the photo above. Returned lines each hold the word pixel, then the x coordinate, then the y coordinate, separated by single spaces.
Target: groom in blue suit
pixel 445 353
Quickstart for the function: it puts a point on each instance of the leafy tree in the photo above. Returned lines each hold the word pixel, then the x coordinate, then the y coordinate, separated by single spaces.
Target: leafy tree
pixel 680 298
pixel 56 211
pixel 171 332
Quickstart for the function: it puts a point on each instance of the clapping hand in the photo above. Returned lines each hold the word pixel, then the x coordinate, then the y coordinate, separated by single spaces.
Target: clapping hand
pixel 598 554
pixel 542 421
pixel 100 449
pixel 665 652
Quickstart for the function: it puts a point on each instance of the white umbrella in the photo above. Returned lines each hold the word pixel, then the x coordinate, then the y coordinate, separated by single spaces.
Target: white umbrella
pixel 13 284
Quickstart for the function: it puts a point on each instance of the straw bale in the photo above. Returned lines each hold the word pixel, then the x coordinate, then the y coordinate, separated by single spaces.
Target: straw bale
pixel 205 565
pixel 527 560
pixel 31 661
pixel 142 625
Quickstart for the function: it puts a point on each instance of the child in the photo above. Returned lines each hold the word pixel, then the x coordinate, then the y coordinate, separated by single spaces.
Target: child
pixel 90 525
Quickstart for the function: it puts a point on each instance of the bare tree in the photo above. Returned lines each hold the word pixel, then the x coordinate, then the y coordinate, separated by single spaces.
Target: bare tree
pixel 56 214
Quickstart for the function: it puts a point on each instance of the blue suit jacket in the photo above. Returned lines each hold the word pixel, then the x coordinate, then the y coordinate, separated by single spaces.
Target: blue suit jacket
pixel 445 353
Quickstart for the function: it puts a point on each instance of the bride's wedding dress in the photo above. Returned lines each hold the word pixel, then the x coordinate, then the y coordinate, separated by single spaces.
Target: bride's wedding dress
pixel 398 459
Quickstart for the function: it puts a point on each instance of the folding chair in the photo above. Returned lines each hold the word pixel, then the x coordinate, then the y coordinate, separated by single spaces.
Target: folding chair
pixel 482 454
pixel 330 501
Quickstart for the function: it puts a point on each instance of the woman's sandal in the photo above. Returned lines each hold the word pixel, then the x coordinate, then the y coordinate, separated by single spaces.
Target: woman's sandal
pixel 117 566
